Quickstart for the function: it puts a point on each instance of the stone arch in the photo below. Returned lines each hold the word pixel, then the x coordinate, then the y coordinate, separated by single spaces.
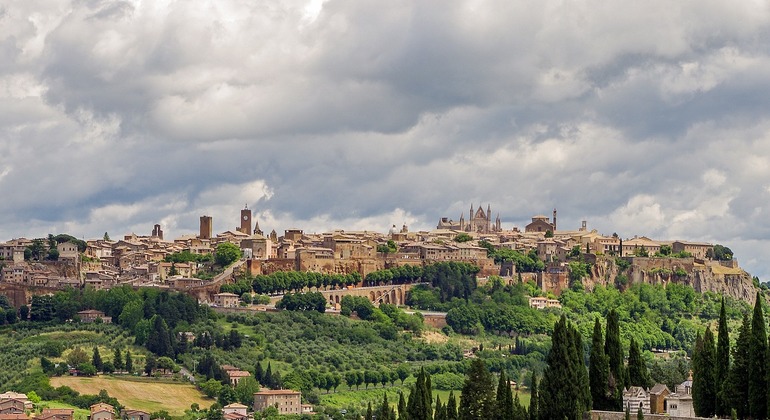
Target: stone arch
pixel 392 297
pixel 337 299
pixel 385 298
pixel 372 297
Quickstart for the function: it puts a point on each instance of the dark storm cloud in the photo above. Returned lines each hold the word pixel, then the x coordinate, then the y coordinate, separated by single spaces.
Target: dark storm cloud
pixel 643 119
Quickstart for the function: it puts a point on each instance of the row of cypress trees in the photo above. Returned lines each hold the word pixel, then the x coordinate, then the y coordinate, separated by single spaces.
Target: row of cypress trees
pixel 740 387
pixel 607 373
pixel 480 400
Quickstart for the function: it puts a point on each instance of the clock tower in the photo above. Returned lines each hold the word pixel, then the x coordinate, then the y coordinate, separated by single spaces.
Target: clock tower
pixel 245 221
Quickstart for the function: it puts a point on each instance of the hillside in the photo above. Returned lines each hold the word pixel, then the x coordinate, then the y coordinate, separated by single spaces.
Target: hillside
pixel 144 395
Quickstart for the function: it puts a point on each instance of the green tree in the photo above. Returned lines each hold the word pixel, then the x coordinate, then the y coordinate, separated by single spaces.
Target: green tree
pixel 757 367
pixel 420 398
pixel 402 413
pixel 637 367
pixel 703 384
pixel 106 236
pixel 737 377
pixel 504 399
pixel 564 390
pixel 439 411
pixel 614 352
pixel 227 253
pixel 519 412
pixel 150 363
pixel 384 411
pixel 211 387
pixel 129 362
pixel 463 237
pixel 117 359
pixel 722 365
pixel 534 400
pixel 160 341
pixel 599 372
pixel 451 407
pixel 477 400
pixel 96 360
pixel 76 357
pixel 227 396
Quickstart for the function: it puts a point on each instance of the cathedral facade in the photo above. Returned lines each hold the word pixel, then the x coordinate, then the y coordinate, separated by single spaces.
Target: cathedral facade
pixel 478 221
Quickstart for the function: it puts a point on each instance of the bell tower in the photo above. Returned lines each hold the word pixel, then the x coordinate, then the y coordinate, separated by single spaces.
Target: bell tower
pixel 245 221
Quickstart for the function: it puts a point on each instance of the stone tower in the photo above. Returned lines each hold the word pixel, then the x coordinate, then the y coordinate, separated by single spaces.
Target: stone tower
pixel 207 227
pixel 245 221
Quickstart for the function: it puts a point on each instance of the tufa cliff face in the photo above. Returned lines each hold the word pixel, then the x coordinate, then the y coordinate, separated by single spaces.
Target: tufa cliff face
pixel 725 278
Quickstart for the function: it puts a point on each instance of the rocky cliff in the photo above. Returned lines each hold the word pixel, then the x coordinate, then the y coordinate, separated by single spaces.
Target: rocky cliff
pixel 725 278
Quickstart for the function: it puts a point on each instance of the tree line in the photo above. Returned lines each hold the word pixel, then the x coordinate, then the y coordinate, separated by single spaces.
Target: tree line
pixel 739 385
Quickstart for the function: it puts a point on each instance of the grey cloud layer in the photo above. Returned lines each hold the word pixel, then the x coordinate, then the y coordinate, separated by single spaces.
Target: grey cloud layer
pixel 646 119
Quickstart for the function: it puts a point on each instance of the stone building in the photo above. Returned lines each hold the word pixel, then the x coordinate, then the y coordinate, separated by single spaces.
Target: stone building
pixel 285 400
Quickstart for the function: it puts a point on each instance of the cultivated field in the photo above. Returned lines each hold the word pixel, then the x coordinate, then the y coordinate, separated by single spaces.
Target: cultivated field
pixel 147 395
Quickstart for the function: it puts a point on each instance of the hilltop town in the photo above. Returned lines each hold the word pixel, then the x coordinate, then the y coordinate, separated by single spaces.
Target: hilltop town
pixel 34 266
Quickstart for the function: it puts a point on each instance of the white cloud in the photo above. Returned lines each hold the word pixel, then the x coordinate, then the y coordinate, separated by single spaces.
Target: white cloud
pixel 644 119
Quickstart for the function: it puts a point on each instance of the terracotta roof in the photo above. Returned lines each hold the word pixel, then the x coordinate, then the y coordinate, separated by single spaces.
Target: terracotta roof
pixel 277 392
pixel 238 374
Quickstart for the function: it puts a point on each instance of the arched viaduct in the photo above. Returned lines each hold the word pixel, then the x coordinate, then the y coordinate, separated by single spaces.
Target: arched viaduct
pixel 394 293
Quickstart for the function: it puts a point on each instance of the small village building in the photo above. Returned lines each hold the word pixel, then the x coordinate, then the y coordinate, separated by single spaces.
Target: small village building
pixel 127 414
pixel 91 315
pixel 286 400
pixel 658 394
pixel 56 414
pixel 235 411
pixel 635 398
pixel 102 411
pixel 236 376
pixel 17 396
pixel 679 404
pixel 11 406
pixel 226 300
pixel 14 416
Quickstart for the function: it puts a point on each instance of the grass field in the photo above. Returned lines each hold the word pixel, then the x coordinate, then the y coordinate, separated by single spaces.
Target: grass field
pixel 139 395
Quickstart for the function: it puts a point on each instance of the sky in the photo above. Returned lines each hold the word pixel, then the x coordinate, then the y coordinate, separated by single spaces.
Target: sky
pixel 642 118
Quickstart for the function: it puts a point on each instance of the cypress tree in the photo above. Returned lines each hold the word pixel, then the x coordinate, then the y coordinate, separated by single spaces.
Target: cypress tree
pixel 703 389
pixel 534 413
pixel 519 412
pixel 369 414
pixel 129 362
pixel 478 395
pixel 268 376
pixel 384 411
pixel 504 400
pixel 439 412
pixel 614 352
pixel 402 415
pixel 117 360
pixel 451 407
pixel 427 396
pixel 564 391
pixel 757 371
pixel 259 373
pixel 637 368
pixel 583 391
pixel 96 360
pixel 639 414
pixel 420 399
pixel 722 366
pixel 737 377
pixel 599 372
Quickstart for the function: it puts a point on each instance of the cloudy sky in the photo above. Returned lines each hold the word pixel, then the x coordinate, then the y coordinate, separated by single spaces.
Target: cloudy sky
pixel 643 118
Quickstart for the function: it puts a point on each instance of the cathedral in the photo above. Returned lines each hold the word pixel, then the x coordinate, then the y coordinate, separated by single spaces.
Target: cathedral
pixel 478 222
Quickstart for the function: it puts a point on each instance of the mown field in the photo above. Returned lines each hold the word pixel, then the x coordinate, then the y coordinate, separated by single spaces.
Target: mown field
pixel 148 395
